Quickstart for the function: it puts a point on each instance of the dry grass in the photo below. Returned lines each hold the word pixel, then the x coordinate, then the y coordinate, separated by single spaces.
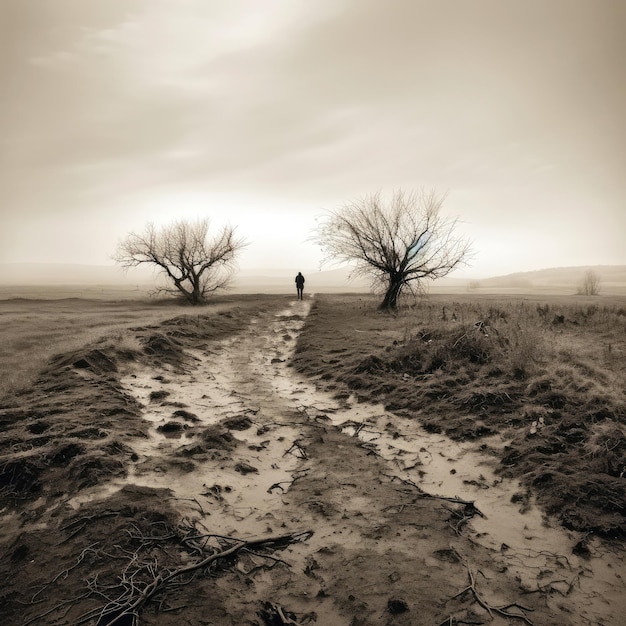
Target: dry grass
pixel 549 374
pixel 33 330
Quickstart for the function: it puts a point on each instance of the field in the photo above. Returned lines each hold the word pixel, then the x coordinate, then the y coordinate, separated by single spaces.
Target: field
pixel 36 323
pixel 265 461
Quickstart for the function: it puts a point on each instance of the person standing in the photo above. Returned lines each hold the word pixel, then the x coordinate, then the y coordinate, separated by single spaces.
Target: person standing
pixel 300 285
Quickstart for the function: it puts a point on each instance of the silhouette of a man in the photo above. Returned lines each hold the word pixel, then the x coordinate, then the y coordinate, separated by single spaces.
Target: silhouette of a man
pixel 300 285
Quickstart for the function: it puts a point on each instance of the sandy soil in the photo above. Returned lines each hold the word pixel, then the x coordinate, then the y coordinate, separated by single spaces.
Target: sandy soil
pixel 202 481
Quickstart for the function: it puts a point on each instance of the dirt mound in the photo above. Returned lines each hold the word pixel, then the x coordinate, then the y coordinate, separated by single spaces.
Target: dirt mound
pixel 62 439
pixel 587 491
pixel 94 360
pixel 164 347
pixel 95 468
pixel 186 415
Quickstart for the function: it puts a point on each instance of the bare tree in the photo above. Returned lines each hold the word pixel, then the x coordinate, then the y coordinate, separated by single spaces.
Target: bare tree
pixel 399 242
pixel 590 284
pixel 193 263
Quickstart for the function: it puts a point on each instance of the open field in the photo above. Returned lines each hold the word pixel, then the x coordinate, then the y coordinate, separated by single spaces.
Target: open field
pixel 42 322
pixel 265 461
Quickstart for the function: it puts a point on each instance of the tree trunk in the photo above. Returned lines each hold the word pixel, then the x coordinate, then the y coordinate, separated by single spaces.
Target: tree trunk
pixel 390 301
pixel 195 295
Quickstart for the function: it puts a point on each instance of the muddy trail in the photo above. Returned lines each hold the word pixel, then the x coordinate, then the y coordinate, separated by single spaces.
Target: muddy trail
pixel 224 489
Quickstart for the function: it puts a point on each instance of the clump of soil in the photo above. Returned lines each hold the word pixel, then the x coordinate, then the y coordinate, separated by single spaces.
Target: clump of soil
pixel 218 438
pixel 172 428
pixel 239 422
pixel 186 415
pixel 158 394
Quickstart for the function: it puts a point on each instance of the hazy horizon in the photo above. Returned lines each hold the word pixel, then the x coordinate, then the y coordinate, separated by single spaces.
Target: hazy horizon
pixel 265 115
pixel 73 273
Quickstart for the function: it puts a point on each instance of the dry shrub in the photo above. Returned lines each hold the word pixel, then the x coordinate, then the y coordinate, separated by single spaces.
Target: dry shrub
pixel 525 350
pixel 124 344
pixel 607 448
pixel 506 347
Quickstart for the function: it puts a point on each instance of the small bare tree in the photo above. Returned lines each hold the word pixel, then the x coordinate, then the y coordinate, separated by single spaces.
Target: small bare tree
pixel 590 284
pixel 399 243
pixel 194 263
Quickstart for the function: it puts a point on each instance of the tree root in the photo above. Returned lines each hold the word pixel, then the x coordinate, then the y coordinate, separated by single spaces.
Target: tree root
pixel 124 611
pixel 143 577
pixel 469 510
pixel 500 610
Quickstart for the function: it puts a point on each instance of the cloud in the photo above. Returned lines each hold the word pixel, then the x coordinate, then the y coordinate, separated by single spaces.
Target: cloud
pixel 516 108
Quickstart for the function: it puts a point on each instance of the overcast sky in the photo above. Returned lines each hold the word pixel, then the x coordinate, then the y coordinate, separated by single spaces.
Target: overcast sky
pixel 265 113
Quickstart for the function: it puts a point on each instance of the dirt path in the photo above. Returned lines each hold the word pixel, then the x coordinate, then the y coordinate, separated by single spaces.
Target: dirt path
pixel 240 446
pixel 376 540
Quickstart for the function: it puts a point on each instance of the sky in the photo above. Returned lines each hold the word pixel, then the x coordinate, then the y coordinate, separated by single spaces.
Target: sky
pixel 267 114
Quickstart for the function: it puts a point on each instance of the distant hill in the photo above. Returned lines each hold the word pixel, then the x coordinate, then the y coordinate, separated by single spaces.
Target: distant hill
pixel 612 279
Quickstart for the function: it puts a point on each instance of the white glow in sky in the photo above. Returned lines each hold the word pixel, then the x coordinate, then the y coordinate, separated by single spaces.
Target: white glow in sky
pixel 264 114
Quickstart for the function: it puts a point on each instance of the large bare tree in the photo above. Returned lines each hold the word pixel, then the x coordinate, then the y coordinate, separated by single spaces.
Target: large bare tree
pixel 399 242
pixel 193 262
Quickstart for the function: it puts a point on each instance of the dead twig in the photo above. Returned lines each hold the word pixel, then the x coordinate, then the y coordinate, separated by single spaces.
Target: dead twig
pixel 274 614
pixel 297 450
pixel 279 485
